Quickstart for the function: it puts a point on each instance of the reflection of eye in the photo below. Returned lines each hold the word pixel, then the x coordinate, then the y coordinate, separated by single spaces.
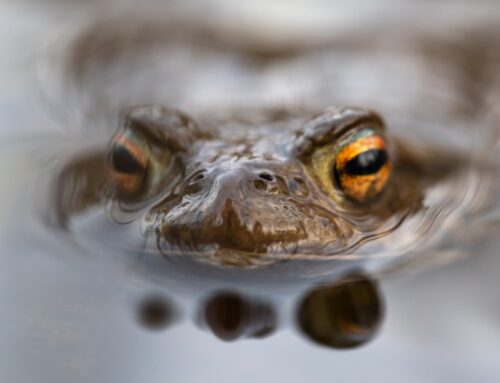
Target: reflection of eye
pixel 127 164
pixel 342 315
pixel 358 166
pixel 362 166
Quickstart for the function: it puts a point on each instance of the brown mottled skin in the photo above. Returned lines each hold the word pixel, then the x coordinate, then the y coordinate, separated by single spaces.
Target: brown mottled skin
pixel 236 182
pixel 240 190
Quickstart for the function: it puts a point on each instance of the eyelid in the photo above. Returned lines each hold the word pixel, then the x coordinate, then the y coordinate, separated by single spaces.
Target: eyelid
pixel 163 126
pixel 330 126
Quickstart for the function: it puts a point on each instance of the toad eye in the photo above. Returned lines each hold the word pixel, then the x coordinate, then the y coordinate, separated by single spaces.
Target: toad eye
pixel 362 166
pixel 127 163
pixel 357 166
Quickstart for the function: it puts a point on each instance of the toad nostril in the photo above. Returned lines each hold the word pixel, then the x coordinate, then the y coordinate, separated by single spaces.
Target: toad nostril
pixel 266 176
pixel 194 183
pixel 197 177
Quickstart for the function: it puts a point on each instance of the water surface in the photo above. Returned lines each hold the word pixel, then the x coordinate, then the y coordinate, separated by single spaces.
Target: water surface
pixel 71 301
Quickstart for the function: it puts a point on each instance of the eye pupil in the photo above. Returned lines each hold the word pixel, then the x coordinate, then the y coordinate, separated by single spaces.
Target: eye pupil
pixel 124 162
pixel 368 162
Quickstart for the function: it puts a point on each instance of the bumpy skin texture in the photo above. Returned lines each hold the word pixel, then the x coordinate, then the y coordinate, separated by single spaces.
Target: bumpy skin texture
pixel 234 178
pixel 239 190
pixel 256 194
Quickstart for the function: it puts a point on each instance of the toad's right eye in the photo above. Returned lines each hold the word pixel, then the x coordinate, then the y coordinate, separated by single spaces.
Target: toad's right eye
pixel 127 163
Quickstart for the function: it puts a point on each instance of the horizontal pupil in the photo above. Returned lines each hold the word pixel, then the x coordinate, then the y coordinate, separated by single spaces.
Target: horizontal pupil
pixel 124 162
pixel 365 163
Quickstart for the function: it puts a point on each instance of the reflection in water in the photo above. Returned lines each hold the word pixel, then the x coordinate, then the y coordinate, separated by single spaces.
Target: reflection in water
pixel 231 316
pixel 155 312
pixel 342 315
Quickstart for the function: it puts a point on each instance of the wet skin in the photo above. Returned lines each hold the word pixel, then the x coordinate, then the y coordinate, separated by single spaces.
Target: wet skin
pixel 246 192
pixel 237 180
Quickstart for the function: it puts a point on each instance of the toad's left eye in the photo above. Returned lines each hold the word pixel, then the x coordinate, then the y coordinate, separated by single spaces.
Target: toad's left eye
pixel 362 167
pixel 356 167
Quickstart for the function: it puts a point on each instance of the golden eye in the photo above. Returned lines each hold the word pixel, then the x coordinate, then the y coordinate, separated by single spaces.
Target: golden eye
pixel 357 167
pixel 127 164
pixel 362 167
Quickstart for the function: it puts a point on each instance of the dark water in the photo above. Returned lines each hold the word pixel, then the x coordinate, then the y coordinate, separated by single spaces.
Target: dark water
pixel 80 304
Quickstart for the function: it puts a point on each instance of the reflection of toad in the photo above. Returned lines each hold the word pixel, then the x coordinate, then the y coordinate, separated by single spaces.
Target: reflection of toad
pixel 340 315
pixel 343 315
pixel 231 316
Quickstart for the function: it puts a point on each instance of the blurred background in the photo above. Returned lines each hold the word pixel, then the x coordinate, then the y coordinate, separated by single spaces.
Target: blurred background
pixel 70 317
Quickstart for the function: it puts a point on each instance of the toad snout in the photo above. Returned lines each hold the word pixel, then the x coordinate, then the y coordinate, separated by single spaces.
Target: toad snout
pixel 245 209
